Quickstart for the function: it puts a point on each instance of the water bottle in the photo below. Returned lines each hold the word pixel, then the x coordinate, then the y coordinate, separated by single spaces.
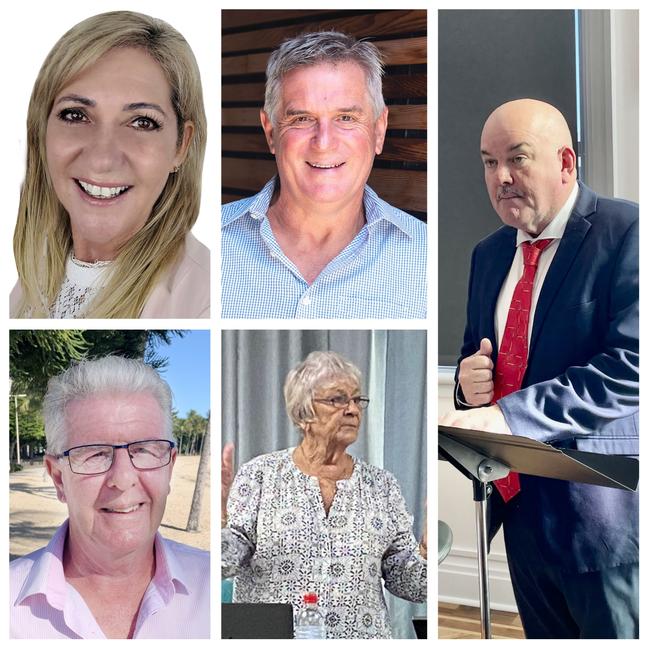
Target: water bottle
pixel 310 623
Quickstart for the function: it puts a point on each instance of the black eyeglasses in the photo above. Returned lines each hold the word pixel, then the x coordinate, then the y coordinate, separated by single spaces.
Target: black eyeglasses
pixel 342 401
pixel 98 459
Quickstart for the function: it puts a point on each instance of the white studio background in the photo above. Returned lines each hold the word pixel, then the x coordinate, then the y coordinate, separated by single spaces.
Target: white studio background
pixel 31 28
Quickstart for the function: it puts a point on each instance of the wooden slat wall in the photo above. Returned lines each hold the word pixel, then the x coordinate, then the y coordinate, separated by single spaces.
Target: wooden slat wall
pixel 249 36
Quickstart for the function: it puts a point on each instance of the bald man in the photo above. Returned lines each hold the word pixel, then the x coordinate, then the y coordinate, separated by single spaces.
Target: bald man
pixel 551 352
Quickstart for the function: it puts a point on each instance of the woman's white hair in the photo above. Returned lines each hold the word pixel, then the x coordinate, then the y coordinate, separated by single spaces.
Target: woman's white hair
pixel 302 382
pixel 106 375
pixel 323 47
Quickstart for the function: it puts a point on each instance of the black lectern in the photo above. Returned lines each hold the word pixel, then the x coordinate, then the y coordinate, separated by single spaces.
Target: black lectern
pixel 484 457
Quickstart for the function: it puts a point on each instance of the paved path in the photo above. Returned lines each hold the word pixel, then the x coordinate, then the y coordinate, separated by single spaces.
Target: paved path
pixel 35 512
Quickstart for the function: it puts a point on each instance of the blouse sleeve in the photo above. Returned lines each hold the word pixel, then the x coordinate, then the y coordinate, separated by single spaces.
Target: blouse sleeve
pixel 239 537
pixel 403 568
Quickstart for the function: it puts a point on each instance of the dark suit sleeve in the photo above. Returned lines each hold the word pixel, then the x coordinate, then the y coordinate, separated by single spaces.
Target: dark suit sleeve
pixel 469 344
pixel 585 399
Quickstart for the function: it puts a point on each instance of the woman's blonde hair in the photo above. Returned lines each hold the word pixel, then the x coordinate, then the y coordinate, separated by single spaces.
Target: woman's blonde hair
pixel 42 238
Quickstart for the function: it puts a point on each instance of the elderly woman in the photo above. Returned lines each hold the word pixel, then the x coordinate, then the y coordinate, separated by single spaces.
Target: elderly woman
pixel 115 142
pixel 315 519
pixel 107 572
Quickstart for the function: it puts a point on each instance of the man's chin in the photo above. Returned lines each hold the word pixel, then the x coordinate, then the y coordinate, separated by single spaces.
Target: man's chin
pixel 327 194
pixel 333 192
pixel 126 541
pixel 513 216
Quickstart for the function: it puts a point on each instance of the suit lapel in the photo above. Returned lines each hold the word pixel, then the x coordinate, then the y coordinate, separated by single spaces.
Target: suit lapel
pixel 500 262
pixel 574 234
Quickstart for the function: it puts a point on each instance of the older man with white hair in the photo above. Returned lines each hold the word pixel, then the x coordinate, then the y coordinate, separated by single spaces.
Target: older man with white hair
pixel 317 242
pixel 107 572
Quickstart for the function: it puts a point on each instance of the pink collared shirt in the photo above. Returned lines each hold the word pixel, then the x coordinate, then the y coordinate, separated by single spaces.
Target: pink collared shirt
pixel 176 604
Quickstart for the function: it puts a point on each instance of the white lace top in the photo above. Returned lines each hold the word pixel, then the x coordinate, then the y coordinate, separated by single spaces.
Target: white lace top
pixel 81 283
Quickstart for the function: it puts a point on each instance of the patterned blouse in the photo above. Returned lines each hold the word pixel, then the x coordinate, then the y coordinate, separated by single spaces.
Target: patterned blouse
pixel 281 544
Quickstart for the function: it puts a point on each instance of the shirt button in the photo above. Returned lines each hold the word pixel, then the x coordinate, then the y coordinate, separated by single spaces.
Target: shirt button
pixel 306 300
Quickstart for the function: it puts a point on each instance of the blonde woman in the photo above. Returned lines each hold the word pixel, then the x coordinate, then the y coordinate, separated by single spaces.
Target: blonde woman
pixel 116 136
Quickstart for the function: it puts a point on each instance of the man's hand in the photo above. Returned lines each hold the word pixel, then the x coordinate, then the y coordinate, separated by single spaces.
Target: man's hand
pixel 227 476
pixel 488 418
pixel 475 376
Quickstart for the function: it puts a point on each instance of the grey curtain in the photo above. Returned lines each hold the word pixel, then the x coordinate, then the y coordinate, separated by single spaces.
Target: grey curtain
pixel 393 433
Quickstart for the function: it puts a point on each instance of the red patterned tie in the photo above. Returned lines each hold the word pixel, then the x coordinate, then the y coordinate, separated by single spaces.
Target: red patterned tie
pixel 513 353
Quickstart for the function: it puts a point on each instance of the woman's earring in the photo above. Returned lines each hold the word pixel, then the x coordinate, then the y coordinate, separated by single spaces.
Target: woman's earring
pixel 176 168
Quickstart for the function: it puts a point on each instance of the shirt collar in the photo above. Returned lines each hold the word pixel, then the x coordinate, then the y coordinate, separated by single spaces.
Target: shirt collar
pixel 262 200
pixel 376 209
pixel 557 226
pixel 46 575
pixel 170 576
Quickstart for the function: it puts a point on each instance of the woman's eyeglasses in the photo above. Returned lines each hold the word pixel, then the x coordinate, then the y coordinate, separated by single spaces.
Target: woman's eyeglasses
pixel 342 401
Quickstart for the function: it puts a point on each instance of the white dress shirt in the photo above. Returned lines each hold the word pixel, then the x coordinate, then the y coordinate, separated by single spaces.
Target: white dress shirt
pixel 554 230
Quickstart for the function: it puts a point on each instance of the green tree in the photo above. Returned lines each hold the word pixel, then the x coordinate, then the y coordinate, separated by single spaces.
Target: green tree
pixel 37 355
pixel 134 344
pixel 195 426
pixel 177 428
pixel 189 432
pixel 30 426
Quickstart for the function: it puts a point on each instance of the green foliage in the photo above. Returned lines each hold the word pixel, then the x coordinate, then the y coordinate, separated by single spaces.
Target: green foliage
pixel 189 432
pixel 30 422
pixel 134 344
pixel 30 427
pixel 37 355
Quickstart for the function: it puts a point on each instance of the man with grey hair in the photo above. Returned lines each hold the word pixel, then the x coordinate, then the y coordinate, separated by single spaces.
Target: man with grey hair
pixel 317 242
pixel 107 572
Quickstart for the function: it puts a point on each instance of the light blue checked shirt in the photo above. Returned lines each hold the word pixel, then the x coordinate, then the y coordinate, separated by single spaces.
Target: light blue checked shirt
pixel 381 273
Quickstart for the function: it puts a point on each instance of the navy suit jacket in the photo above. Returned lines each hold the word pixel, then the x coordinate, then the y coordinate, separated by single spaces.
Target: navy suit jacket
pixel 580 390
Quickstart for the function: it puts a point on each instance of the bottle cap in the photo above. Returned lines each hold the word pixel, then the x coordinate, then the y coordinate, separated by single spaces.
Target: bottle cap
pixel 310 598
